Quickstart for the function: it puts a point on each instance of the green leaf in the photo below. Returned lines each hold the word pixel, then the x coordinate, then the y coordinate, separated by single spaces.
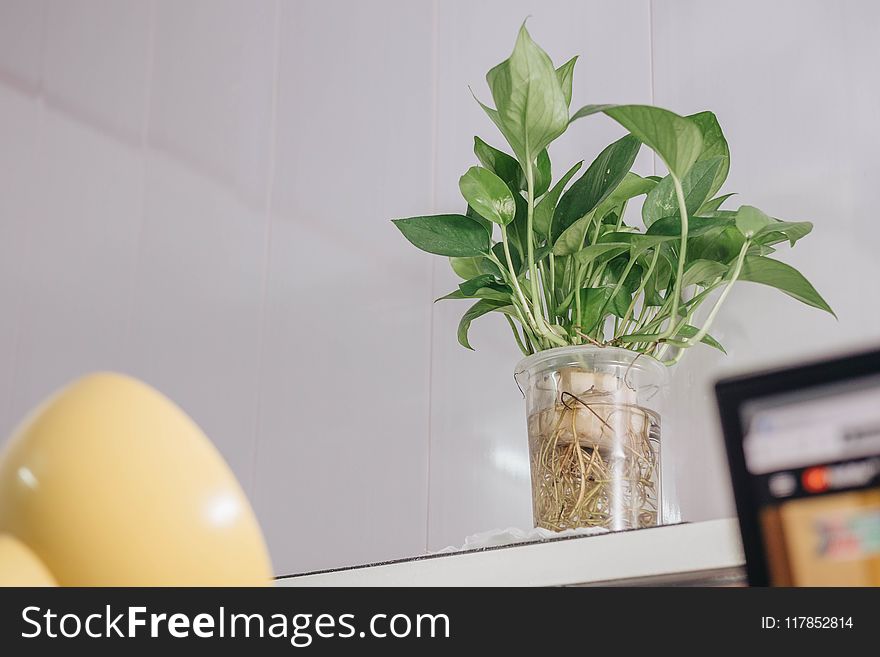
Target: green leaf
pixel 467 268
pixel 470 213
pixel 727 215
pixel 750 220
pixel 596 304
pixel 494 293
pixel 700 272
pixel 565 74
pixel 470 286
pixel 783 277
pixel 658 281
pixel 609 217
pixel 714 204
pixel 674 138
pixel 696 225
pixel 603 253
pixel 572 238
pixel 498 162
pixel 611 275
pixel 760 249
pixel 479 309
pixel 481 287
pixel 547 205
pixel 519 229
pixel 587 110
pixel 488 195
pixel 722 244
pixel 714 145
pixel 540 253
pixel 780 231
pixel 590 253
pixel 593 301
pixel 685 332
pixel 638 242
pixel 455 294
pixel 615 270
pixel 498 250
pixel 445 234
pixel 630 187
pixel 600 179
pixel 663 201
pixel 531 110
pixel 543 174
pixel 619 304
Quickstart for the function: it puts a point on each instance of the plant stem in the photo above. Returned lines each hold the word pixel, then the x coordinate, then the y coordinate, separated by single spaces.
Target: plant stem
pixel 518 300
pixel 530 241
pixel 576 320
pixel 620 214
pixel 566 273
pixel 592 280
pixel 514 281
pixel 647 328
pixel 593 241
pixel 519 342
pixel 693 305
pixel 672 361
pixel 528 334
pixel 540 322
pixel 615 291
pixel 737 270
pixel 682 255
pixel 637 321
pixel 545 288
pixel 632 304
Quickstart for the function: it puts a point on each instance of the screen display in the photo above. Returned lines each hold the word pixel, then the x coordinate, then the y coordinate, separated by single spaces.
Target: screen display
pixel 813 459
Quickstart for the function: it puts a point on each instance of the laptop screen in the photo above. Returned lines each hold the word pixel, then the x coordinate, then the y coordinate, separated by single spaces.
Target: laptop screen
pixel 806 466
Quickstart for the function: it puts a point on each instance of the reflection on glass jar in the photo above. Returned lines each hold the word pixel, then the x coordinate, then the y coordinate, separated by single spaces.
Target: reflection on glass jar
pixel 594 437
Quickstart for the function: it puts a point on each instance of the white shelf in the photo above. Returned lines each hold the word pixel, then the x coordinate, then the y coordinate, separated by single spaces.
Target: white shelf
pixel 701 552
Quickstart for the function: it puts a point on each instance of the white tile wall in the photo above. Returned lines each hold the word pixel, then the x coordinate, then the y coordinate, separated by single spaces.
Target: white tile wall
pixel 22 37
pixel 793 97
pixel 213 77
pixel 342 453
pixel 97 60
pixel 20 122
pixel 199 192
pixel 80 238
pixel 195 311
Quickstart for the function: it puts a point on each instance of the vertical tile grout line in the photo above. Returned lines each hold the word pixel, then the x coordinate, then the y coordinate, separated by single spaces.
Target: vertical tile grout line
pixel 434 141
pixel 651 69
pixel 267 249
pixel 144 148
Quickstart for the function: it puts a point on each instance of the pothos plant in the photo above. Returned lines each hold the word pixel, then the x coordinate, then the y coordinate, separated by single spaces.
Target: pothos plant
pixel 558 258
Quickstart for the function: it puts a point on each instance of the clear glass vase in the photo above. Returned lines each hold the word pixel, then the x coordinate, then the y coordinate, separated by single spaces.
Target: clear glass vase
pixel 594 437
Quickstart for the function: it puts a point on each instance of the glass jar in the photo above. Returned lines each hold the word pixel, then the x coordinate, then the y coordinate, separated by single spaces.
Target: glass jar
pixel 594 436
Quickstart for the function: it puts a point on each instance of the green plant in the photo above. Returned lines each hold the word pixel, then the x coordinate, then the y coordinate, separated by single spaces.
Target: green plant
pixel 568 269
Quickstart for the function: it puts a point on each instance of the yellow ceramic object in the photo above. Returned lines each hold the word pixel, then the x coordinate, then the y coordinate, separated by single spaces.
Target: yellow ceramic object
pixel 21 567
pixel 110 484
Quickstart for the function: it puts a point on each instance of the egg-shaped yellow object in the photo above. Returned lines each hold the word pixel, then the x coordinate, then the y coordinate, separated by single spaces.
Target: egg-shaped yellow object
pixel 111 484
pixel 21 567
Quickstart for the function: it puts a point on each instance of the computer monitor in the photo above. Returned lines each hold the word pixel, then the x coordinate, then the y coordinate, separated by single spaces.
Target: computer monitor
pixel 803 444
